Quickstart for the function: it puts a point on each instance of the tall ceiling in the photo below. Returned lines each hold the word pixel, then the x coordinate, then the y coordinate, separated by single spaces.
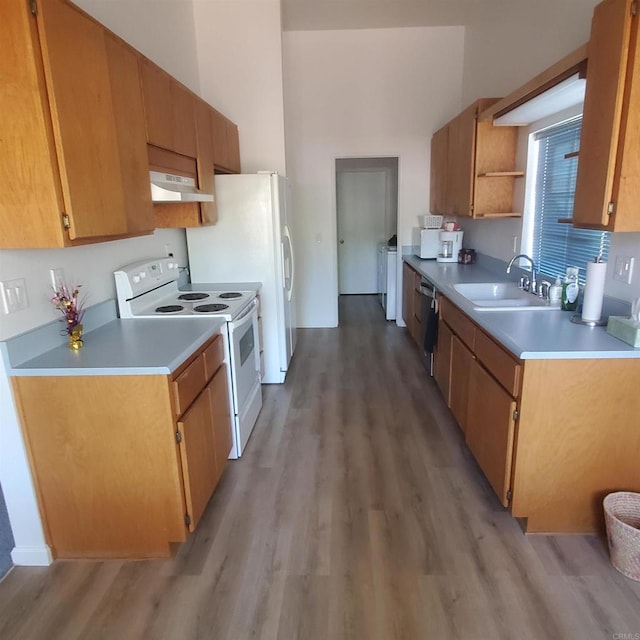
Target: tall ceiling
pixel 309 15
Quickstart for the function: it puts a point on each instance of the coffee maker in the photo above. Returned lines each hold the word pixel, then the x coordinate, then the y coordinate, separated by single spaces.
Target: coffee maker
pixel 450 244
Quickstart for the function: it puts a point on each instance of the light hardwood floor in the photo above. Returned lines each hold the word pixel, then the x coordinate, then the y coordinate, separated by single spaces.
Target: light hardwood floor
pixel 356 513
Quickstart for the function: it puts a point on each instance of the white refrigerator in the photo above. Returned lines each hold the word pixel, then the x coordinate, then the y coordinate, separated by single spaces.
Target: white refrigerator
pixel 251 242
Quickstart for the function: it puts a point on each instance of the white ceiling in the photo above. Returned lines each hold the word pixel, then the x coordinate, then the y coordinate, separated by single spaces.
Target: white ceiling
pixel 310 15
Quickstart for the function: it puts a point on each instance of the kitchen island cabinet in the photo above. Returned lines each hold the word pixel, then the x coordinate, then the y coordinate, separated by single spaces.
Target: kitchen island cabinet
pixel 607 185
pixel 552 436
pixel 124 465
pixel 68 105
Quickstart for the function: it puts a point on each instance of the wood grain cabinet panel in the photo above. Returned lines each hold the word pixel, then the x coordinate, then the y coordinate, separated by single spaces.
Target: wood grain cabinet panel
pixel 57 112
pixel 197 452
pixel 156 91
pixel 128 473
pixel 220 143
pixel 607 185
pixel 439 173
pixel 473 166
pixel 206 179
pixel 563 421
pixel 490 428
pixel 233 147
pixel 461 359
pixel 183 120
pixel 130 128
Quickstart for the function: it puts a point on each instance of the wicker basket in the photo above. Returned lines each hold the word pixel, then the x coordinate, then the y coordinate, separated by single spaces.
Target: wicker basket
pixel 622 517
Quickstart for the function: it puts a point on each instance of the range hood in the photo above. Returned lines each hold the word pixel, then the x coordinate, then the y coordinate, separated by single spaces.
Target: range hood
pixel 168 187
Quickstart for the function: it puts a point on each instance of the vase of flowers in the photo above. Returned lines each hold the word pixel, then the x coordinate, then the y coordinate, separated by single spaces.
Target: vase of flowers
pixel 67 301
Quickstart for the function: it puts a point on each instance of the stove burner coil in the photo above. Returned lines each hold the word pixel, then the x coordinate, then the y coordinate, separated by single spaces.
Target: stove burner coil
pixel 210 308
pixel 169 308
pixel 193 296
pixel 230 294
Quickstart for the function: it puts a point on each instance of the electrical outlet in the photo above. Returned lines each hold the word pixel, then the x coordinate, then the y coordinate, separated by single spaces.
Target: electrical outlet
pixel 56 276
pixel 168 250
pixel 623 269
pixel 14 295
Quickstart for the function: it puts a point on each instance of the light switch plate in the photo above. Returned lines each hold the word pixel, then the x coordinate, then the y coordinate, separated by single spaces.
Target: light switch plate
pixel 14 295
pixel 623 269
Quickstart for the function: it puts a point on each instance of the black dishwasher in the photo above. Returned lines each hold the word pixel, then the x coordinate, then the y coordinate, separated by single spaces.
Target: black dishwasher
pixel 429 319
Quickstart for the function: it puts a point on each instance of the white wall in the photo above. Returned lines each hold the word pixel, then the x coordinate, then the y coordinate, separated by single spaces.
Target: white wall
pixel 364 93
pixel 164 31
pixel 240 61
pixel 500 55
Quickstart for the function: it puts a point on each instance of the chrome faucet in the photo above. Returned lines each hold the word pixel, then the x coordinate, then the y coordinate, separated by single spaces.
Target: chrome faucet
pixel 533 284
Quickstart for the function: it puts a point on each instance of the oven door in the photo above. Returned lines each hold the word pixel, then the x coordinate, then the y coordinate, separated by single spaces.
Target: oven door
pixel 243 347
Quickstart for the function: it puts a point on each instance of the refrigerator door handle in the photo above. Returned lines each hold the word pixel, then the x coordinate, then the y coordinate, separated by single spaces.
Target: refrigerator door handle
pixel 289 278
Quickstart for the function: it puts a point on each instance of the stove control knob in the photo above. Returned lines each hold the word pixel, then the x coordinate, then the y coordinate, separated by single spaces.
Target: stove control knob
pixel 136 279
pixel 143 275
pixel 171 265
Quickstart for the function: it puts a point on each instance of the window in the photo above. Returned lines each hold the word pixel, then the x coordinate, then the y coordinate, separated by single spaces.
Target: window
pixel 554 246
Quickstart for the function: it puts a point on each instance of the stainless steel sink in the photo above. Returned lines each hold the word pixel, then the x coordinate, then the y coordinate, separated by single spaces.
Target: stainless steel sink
pixel 500 296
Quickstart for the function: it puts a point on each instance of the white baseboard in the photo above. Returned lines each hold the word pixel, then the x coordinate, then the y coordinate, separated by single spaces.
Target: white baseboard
pixel 32 556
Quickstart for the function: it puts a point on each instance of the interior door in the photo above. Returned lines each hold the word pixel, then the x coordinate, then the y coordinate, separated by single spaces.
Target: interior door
pixel 361 204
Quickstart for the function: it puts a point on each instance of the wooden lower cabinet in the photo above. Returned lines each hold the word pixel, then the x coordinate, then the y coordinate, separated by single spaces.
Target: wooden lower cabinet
pixel 490 427
pixel 461 361
pixel 553 437
pixel 412 302
pixel 120 468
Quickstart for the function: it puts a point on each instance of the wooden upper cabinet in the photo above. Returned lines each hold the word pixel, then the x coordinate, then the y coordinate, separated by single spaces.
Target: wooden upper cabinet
pixel 226 144
pixel 72 137
pixel 607 186
pixel 233 147
pixel 184 125
pixel 169 110
pixel 206 181
pixel 439 159
pixel 130 130
pixel 473 166
pixel 156 91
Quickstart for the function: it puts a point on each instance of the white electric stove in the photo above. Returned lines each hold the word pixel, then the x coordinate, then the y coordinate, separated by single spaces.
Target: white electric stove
pixel 149 289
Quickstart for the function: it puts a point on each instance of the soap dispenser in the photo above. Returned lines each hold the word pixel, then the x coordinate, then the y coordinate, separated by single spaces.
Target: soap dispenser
pixel 555 292
pixel 570 290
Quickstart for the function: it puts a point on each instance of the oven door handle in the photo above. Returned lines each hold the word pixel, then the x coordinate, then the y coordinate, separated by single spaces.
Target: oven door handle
pixel 245 318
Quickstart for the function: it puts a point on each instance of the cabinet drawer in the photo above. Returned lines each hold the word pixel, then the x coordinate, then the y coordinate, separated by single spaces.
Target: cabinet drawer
pixel 499 363
pixel 461 325
pixel 213 356
pixel 188 384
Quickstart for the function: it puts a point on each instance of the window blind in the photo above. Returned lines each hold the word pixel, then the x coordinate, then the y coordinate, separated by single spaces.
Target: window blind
pixel 557 246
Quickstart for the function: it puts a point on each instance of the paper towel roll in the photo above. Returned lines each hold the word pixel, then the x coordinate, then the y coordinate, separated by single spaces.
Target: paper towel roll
pixel 594 291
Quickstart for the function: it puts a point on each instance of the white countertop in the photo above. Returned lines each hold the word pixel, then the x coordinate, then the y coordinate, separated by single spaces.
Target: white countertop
pixel 538 334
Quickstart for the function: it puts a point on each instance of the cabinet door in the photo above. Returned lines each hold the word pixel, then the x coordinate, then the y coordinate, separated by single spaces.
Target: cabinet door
pixel 156 91
pixel 407 296
pixel 461 360
pixel 183 121
pixel 609 70
pixel 131 137
pixel 416 327
pixel 198 455
pixel 220 142
pixel 206 181
pixel 442 360
pixel 461 163
pixel 221 414
pixel 233 147
pixel 490 429
pixel 438 187
pixel 79 90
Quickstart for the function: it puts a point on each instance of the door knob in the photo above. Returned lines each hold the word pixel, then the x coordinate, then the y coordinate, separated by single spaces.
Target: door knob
pixel 341 241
